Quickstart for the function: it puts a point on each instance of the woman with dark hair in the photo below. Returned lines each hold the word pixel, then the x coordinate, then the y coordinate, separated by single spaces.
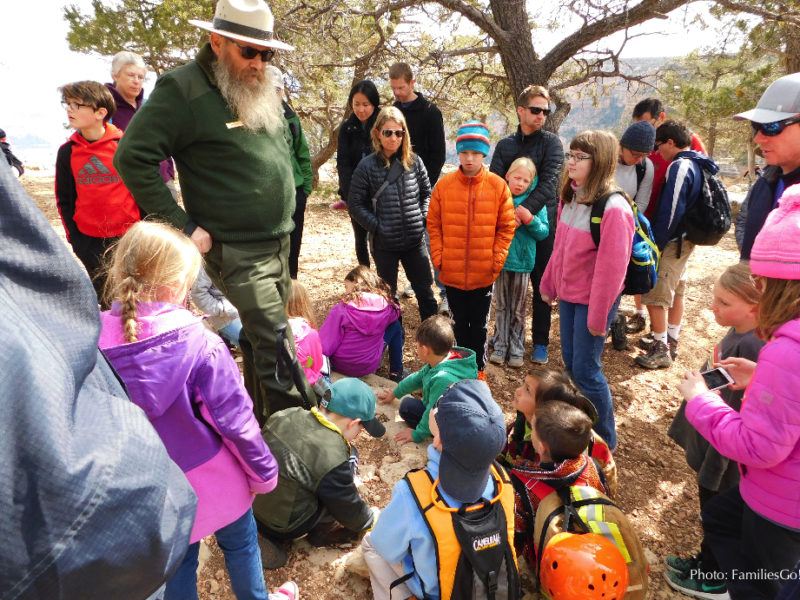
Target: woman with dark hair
pixel 354 144
pixel 389 197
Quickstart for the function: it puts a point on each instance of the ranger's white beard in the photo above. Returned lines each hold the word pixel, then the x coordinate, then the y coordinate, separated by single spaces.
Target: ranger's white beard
pixel 256 105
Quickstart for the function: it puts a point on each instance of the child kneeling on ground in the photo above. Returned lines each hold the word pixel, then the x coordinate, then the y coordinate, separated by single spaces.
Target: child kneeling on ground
pixel 317 462
pixel 403 555
pixel 444 365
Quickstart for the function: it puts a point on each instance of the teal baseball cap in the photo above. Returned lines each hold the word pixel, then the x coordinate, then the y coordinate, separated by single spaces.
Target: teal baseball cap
pixel 351 397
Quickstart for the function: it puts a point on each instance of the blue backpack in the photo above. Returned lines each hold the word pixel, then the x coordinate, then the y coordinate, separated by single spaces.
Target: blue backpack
pixel 642 272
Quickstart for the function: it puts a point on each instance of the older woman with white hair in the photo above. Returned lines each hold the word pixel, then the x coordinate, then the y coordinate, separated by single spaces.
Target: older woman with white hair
pixel 128 72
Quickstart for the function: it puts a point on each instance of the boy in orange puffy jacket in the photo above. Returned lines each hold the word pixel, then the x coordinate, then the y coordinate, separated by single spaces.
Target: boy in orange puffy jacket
pixel 471 224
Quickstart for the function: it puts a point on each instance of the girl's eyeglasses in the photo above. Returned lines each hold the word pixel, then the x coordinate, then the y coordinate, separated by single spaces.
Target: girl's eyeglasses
pixel 577 157
pixel 398 133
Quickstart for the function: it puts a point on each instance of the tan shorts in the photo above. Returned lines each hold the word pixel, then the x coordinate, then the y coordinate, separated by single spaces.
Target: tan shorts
pixel 671 275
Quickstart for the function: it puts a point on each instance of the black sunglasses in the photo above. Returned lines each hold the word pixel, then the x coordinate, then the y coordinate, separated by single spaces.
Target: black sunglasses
pixel 387 133
pixel 774 128
pixel 249 52
pixel 535 110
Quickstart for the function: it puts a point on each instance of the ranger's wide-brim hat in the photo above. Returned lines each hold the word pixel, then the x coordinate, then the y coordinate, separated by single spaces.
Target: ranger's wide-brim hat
pixel 248 21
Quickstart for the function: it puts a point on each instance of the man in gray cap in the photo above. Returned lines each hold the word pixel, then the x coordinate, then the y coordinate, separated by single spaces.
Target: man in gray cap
pixel 776 129
pixel 219 117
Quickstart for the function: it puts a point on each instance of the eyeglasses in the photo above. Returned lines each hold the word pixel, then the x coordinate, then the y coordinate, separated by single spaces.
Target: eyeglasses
pixel 73 106
pixel 536 110
pixel 398 133
pixel 249 52
pixel 774 128
pixel 577 157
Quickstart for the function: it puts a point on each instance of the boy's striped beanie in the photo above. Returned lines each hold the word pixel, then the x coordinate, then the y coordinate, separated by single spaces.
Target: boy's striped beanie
pixel 473 136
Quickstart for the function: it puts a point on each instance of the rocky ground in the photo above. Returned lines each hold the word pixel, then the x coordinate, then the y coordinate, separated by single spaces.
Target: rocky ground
pixel 656 488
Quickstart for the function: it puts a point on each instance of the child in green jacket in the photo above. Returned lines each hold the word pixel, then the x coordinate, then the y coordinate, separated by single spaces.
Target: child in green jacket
pixel 511 287
pixel 445 364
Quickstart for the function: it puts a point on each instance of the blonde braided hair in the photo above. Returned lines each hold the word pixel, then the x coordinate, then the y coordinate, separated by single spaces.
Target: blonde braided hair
pixel 151 262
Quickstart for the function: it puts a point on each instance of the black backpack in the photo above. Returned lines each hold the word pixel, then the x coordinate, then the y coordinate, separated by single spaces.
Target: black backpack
pixel 642 272
pixel 708 218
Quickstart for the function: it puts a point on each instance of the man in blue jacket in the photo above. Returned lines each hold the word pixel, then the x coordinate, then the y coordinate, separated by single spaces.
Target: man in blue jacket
pixel 776 130
pixel 682 188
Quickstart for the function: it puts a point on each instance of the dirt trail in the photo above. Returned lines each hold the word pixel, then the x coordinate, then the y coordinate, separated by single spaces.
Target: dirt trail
pixel 656 488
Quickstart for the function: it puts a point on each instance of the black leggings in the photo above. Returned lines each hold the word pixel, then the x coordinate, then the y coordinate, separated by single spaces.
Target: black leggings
pixel 417 266
pixel 362 251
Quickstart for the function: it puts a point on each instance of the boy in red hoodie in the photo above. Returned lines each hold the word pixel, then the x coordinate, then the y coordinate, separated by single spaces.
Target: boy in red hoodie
pixel 95 206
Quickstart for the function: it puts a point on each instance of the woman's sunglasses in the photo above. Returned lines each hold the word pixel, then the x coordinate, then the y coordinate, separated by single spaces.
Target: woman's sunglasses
pixel 398 133
pixel 774 128
pixel 249 52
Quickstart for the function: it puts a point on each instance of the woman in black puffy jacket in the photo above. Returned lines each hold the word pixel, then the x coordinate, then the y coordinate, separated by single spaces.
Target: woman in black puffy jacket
pixel 355 142
pixel 396 221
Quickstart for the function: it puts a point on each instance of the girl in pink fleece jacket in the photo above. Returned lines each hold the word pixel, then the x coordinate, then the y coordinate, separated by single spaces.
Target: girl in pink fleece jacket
pixel 755 529
pixel 586 279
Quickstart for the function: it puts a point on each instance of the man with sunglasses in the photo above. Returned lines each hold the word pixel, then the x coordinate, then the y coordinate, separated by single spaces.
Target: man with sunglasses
pixel 219 117
pixel 545 150
pixel 776 130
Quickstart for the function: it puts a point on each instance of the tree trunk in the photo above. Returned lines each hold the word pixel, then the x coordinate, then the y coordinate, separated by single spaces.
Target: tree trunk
pixel 792 54
pixel 711 140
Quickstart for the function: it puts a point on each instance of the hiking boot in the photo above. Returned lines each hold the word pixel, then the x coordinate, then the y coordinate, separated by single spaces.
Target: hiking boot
pixel 658 357
pixel 619 339
pixel 331 534
pixel 497 358
pixel 273 554
pixel 539 354
pixel 338 205
pixel 444 308
pixel 288 591
pixel 408 292
pixel 696 587
pixel 516 362
pixel 682 566
pixel 646 343
pixel 636 323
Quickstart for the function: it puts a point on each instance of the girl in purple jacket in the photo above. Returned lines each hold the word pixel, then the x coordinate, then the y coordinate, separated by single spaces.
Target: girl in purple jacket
pixel 184 379
pixel 361 325
pixel 588 279
pixel 754 529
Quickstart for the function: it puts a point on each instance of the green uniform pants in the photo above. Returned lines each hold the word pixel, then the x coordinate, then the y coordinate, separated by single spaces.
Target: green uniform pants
pixel 254 276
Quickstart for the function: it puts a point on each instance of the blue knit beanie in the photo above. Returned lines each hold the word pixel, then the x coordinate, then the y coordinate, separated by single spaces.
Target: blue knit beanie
pixel 473 136
pixel 639 137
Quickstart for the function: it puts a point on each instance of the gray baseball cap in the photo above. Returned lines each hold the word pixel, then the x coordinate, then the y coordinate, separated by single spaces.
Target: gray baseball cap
pixel 780 101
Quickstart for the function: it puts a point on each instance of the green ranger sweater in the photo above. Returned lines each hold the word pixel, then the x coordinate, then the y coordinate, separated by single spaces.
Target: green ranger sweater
pixel 236 184
pixel 301 157
pixel 314 472
pixel 434 381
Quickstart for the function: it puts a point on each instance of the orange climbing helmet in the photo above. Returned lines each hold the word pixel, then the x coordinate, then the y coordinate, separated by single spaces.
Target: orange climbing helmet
pixel 582 566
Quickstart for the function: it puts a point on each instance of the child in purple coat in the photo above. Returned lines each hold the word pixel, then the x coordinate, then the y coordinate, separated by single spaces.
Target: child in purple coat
pixel 361 324
pixel 184 379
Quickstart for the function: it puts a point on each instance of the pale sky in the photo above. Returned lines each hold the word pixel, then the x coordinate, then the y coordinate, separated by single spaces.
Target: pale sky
pixel 32 67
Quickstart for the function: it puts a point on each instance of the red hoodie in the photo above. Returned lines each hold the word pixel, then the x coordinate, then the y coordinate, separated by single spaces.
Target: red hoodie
pixel 90 194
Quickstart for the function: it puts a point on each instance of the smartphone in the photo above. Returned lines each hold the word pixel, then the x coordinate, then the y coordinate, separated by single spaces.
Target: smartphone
pixel 716 378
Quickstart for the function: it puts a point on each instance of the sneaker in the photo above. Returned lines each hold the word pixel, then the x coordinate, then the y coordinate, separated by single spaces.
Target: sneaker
pixel 288 591
pixel 658 357
pixel 497 358
pixel 619 339
pixel 711 589
pixel 273 554
pixel 482 375
pixel 444 308
pixel 682 566
pixel 408 292
pixel 338 205
pixel 516 362
pixel 398 377
pixel 636 323
pixel 539 354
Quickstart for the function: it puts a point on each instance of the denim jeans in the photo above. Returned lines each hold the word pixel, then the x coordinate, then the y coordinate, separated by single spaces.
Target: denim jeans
pixel 394 337
pixel 239 544
pixel 581 352
pixel 231 332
